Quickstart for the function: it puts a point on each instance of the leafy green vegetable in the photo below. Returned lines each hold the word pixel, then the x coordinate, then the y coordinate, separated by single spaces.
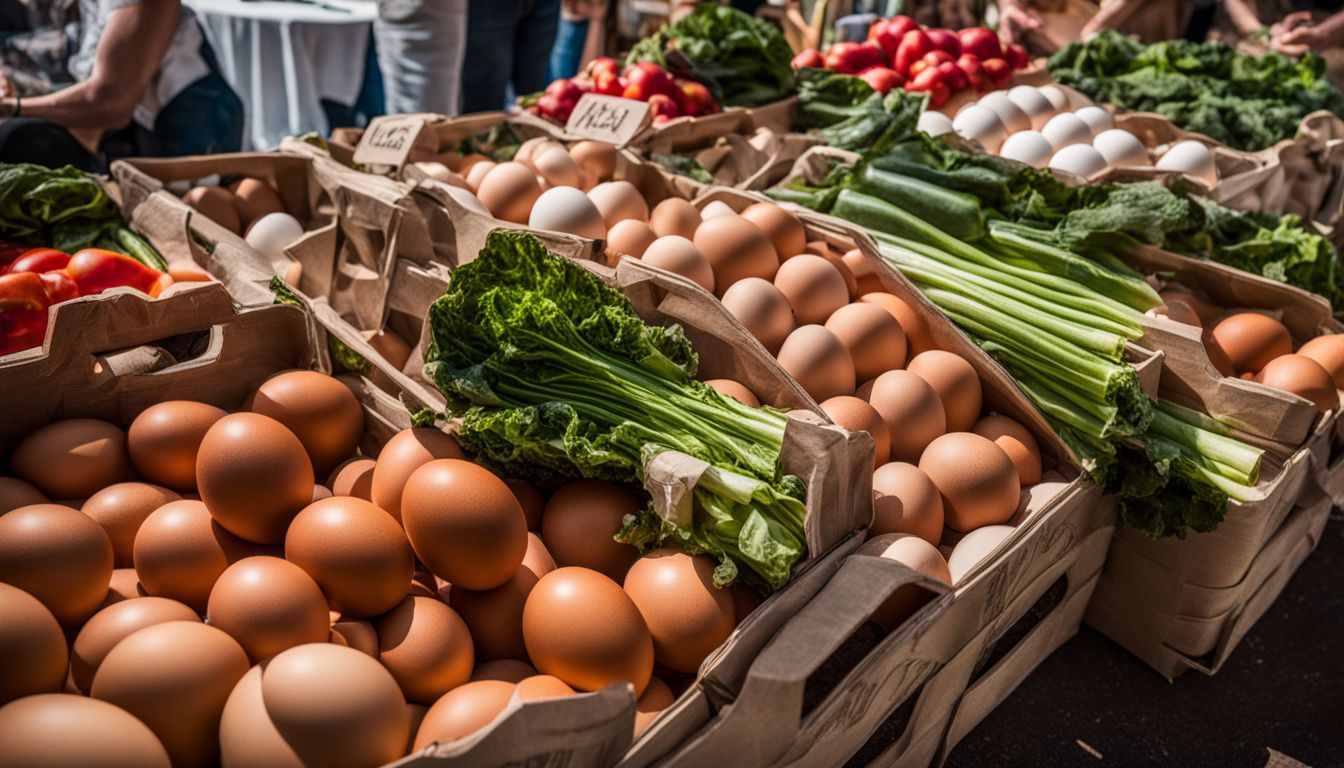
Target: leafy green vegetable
pixel 685 166
pixel 553 374
pixel 497 142
pixel 849 114
pixel 743 60
pixel 1246 102
pixel 65 209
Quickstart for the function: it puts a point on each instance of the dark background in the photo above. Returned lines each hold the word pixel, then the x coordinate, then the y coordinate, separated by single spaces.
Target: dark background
pixel 1281 690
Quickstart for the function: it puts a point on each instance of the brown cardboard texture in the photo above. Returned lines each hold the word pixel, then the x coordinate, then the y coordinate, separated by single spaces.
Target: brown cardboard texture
pixel 1184 626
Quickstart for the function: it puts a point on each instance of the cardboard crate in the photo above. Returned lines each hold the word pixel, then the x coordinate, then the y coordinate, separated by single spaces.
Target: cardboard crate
pixel 1173 624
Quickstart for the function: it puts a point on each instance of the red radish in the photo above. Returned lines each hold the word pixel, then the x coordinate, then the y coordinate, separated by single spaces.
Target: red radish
pixel 887 33
pixel 981 42
pixel 952 75
pixel 913 47
pixel 945 40
pixel 1016 55
pixel 853 58
pixel 975 74
pixel 809 57
pixel 931 81
pixel 882 79
pixel 1000 74
pixel 663 108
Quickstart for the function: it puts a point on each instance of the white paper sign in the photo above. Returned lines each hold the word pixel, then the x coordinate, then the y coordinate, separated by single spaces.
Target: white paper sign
pixel 607 118
pixel 389 140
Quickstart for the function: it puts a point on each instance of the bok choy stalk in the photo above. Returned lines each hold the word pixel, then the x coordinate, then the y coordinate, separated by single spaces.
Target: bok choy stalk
pixel 553 374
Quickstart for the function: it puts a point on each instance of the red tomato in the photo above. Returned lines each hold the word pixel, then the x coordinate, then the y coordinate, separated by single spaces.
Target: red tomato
pixel 913 47
pixel 882 79
pixel 887 33
pixel 1016 55
pixel 40 260
pixel 810 57
pixel 945 40
pixel 1000 74
pixel 975 74
pixel 980 41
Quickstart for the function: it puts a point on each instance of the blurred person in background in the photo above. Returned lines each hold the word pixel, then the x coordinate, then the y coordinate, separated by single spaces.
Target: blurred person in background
pixel 508 47
pixel 1305 30
pixel 145 83
pixel 580 38
pixel 421 45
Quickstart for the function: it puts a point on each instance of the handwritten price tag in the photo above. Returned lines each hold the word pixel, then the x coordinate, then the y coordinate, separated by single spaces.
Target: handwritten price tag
pixel 389 140
pixel 607 118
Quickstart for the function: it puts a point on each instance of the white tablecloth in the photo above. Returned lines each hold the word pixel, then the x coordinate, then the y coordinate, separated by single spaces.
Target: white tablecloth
pixel 283 58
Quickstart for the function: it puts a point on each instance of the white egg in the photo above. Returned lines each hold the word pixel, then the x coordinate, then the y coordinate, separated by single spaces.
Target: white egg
pixel 1066 128
pixel 1031 101
pixel 982 124
pixel 567 209
pixel 1028 147
pixel 1193 158
pixel 714 209
pixel 934 123
pixel 1096 118
pixel 1010 113
pixel 1121 148
pixel 974 547
pixel 467 200
pixel 1081 159
pixel 1058 99
pixel 272 232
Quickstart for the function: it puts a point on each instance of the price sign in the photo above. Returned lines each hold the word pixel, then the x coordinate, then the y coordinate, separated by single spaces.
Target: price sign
pixel 607 118
pixel 389 140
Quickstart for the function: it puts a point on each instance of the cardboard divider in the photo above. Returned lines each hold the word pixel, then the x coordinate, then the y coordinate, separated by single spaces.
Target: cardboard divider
pixel 1198 628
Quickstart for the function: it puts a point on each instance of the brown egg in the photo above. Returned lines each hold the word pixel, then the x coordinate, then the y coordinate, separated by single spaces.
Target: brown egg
pixel 427 648
pixel 733 389
pixel 975 547
pixel 678 255
pixel 1326 350
pixel 873 337
pixel 115 623
pixel 539 687
pixel 813 287
pixel 256 198
pixel 1016 441
pixel 319 410
pixel 180 552
pixel 555 167
pixel 596 161
pixel 477 171
pixel 1304 377
pixel 783 228
pixel 819 361
pixel 353 478
pixel 392 347
pixel 656 698
pixel 254 476
pixel 267 605
pixel 59 556
pixel 218 205
pixel 1250 340
pixel 416 714
pixel 687 616
pixel 762 309
pixel 531 500
pixel 175 677
pixel 1179 312
pixel 335 706
pixel 582 627
pixel 125 585
pixel 858 416
pixel 164 439
pixel 957 385
pixel 33 658
pixel 464 523
pixel 905 500
pixel 495 616
pixel 246 734
pixel 579 522
pixel 865 274
pixel 355 552
pixel 1207 312
pixel 407 451
pixel 976 478
pixel 508 190
pixel 674 216
pixel 529 150
pixel 357 634
pixel 507 670
pixel 321 492
pixel 917 555
pixel 736 249
pixel 15 493
pixel 918 335
pixel 57 729
pixel 617 201
pixel 72 459
pixel 463 711
pixel 631 237
pixel 120 509
pixel 912 411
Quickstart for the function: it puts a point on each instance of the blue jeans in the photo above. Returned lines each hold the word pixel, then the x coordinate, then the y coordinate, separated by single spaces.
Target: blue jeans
pixel 508 43
pixel 567 54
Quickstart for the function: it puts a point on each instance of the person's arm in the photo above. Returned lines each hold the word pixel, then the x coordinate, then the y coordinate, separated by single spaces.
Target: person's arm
pixel 1295 39
pixel 595 43
pixel 1111 16
pixel 1016 21
pixel 1243 16
pixel 128 57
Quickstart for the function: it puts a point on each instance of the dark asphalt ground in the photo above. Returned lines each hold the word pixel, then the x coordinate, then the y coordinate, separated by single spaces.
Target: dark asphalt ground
pixel 1281 690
